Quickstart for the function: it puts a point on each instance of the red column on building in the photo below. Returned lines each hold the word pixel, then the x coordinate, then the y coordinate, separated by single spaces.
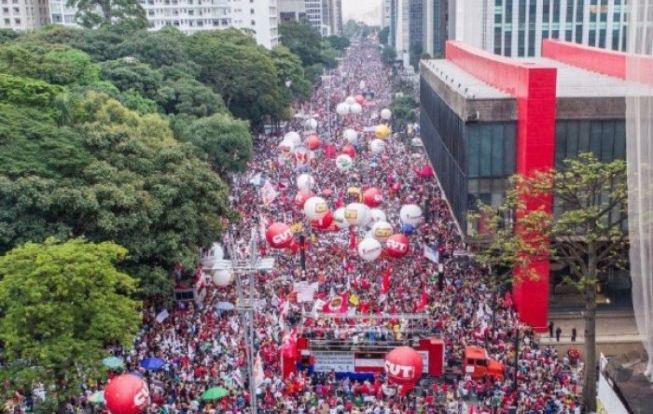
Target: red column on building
pixel 534 88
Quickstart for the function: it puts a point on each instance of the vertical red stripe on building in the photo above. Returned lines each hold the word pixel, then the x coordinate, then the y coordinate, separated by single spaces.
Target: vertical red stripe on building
pixel 534 88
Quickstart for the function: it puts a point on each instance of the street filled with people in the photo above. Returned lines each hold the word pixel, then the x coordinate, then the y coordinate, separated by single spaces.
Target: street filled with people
pixel 338 262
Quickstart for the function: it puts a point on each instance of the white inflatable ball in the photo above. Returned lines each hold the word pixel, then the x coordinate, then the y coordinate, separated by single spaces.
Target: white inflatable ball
pixel 293 137
pixel 339 218
pixel 315 208
pixel 356 108
pixel 350 100
pixel 223 277
pixel 350 135
pixel 342 109
pixel 344 162
pixel 377 146
pixel 305 181
pixel 369 249
pixel 357 214
pixel 410 214
pixel 386 114
pixel 381 231
pixel 286 146
pixel 310 124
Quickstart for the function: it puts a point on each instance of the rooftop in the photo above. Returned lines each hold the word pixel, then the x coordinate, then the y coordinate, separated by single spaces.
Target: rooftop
pixel 466 84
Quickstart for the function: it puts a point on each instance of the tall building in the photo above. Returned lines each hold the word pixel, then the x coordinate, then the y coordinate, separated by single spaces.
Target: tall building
pixel 290 10
pixel 436 17
pixel 259 17
pixel 60 13
pixel 23 14
pixel 517 27
pixel 325 16
pixel 407 24
pixel 385 13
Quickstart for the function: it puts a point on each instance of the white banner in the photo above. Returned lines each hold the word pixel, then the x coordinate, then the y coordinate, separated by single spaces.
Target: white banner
pixel 337 361
pixel 431 254
pixel 305 291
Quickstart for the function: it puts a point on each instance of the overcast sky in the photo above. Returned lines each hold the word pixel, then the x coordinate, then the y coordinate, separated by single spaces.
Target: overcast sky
pixel 368 11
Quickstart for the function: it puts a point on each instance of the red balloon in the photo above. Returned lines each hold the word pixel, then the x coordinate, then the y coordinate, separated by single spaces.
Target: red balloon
pixel 372 197
pixel 127 394
pixel 349 150
pixel 294 247
pixel 301 197
pixel 323 223
pixel 403 365
pixel 279 235
pixel 313 142
pixel 397 245
pixel 360 99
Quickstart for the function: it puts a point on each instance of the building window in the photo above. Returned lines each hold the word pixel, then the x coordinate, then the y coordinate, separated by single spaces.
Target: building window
pixel 17 21
pixel 253 22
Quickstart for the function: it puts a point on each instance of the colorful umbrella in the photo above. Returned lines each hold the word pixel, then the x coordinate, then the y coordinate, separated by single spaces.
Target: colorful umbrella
pixel 112 362
pixel 214 393
pixel 97 397
pixel 152 364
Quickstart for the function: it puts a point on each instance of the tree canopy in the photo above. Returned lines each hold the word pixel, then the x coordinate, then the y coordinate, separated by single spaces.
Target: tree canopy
pixel 98 13
pixel 62 304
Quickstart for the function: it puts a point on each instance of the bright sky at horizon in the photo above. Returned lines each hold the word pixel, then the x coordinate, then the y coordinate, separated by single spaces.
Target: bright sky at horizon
pixel 368 11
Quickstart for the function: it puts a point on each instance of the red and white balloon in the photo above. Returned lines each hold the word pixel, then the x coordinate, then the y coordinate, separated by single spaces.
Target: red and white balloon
pixel 344 162
pixel 372 197
pixel 127 394
pixel 397 246
pixel 403 365
pixel 279 235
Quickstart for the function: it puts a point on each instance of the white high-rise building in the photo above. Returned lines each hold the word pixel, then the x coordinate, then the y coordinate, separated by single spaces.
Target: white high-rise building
pixel 290 10
pixel 62 14
pixel 260 17
pixel 23 14
pixel 324 15
pixel 386 13
pixel 517 27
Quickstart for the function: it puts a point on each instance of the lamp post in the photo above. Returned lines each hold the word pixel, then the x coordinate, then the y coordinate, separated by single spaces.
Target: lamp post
pixel 244 270
pixel 516 362
pixel 327 89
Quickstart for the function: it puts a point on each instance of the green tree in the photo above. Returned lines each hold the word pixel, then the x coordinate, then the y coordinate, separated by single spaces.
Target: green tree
pixel 185 95
pixel 58 64
pixel 165 47
pixel 241 72
pixel 404 111
pixel 7 35
pixel 129 74
pixel 108 174
pixel 338 42
pixel 587 233
pixel 303 40
pixel 26 91
pixel 226 142
pixel 62 304
pixel 291 79
pixel 97 13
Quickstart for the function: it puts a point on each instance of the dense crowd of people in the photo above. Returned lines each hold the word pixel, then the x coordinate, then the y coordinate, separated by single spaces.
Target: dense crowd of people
pixel 203 344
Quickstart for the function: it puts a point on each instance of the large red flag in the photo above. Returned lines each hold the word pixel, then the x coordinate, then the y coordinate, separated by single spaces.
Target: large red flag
pixel 385 285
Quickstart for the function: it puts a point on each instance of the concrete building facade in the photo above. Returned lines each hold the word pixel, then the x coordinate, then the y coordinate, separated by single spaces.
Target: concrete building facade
pixel 290 10
pixel 23 14
pixel 486 117
pixel 516 28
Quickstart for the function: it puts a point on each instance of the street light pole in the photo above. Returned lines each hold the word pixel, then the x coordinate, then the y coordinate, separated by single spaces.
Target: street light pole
pixel 246 299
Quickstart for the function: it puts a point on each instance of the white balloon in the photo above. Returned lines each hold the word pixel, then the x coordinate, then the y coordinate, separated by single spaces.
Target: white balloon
pixel 310 123
pixel 342 109
pixel 377 146
pixel 350 135
pixel 357 214
pixel 381 231
pixel 315 208
pixel 344 162
pixel 286 146
pixel 361 85
pixel 369 249
pixel 293 137
pixel 216 252
pixel 350 100
pixel 339 218
pixel 356 108
pixel 410 214
pixel 223 277
pixel 377 215
pixel 386 114
pixel 305 181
